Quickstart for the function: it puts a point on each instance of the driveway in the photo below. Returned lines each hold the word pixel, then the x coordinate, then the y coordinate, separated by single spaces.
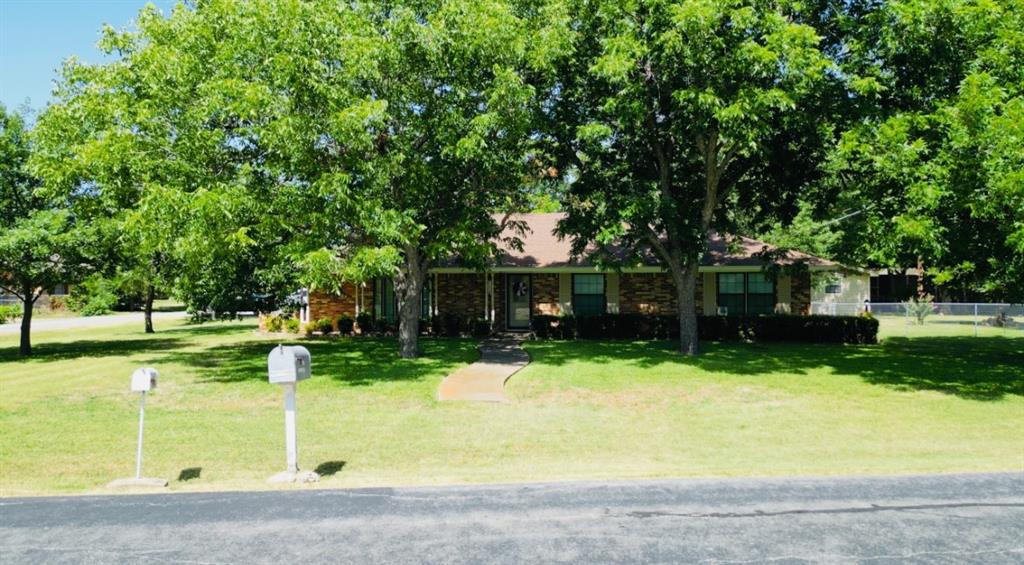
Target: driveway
pixel 45 324
pixel 920 519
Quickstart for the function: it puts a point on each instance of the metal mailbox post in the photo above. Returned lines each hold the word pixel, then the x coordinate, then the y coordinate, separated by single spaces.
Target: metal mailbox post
pixel 143 381
pixel 286 366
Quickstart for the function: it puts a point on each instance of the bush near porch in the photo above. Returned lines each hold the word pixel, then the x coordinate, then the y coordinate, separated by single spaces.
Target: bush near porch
pixel 806 329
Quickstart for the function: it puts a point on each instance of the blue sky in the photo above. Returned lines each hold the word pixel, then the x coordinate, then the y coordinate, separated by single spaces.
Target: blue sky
pixel 37 35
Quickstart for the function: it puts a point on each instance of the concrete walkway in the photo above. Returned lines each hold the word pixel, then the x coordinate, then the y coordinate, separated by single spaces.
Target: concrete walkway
pixel 485 379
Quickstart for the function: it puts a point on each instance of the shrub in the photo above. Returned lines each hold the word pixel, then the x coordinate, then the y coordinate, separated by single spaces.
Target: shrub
pixel 324 326
pixel 57 304
pixel 365 321
pixel 810 329
pixel 292 325
pixel 275 324
pixel 481 327
pixel 452 325
pixel 94 297
pixel 384 327
pixel 346 325
pixel 545 326
pixel 8 313
pixel 919 308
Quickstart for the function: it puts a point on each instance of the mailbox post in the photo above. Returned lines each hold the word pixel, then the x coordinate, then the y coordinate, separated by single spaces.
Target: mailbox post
pixel 143 381
pixel 286 366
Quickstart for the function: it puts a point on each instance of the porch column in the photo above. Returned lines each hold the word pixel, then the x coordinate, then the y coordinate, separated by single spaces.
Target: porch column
pixel 487 295
pixel 433 305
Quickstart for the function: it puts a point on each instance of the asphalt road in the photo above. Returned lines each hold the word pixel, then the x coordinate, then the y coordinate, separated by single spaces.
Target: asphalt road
pixel 925 519
pixel 86 322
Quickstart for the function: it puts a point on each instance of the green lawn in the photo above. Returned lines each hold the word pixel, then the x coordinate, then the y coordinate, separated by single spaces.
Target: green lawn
pixel 580 410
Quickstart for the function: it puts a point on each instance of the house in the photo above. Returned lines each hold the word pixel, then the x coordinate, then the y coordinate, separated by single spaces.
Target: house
pixel 543 278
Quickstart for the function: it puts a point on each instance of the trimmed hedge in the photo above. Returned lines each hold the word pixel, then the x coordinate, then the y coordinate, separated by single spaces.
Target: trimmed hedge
pixel 808 329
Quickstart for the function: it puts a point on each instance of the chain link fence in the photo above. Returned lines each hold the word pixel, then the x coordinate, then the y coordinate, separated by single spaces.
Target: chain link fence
pixel 934 318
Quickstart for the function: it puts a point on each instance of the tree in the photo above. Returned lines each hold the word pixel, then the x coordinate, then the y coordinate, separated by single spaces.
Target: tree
pixel 41 243
pixel 346 140
pixel 935 170
pixel 663 112
pixel 148 154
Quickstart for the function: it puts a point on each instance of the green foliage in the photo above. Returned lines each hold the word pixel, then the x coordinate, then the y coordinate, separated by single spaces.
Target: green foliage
pixel 94 296
pixel 274 323
pixel 804 233
pixel 934 167
pixel 365 321
pixel 481 328
pixel 273 142
pixel 292 325
pixel 323 325
pixel 9 312
pixel 664 107
pixel 42 242
pixel 810 329
pixel 346 325
pixel 919 307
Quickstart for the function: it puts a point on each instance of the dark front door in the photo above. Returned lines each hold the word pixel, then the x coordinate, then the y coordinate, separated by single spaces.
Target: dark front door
pixel 517 289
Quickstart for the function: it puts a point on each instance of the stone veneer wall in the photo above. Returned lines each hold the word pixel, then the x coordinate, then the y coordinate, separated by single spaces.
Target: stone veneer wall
pixel 461 294
pixel 800 294
pixel 544 296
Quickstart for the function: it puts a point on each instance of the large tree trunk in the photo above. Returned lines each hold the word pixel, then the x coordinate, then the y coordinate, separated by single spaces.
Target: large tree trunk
pixel 28 301
pixel 150 295
pixel 685 279
pixel 408 291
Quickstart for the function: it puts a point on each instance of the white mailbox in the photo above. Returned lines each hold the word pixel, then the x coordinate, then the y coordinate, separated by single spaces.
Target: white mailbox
pixel 144 379
pixel 288 364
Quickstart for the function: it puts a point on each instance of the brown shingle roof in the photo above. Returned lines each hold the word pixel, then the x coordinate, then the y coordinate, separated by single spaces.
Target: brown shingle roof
pixel 542 248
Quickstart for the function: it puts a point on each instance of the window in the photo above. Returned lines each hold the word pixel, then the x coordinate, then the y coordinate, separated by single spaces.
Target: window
pixel 588 295
pixel 760 294
pixel 427 298
pixel 730 293
pixel 385 303
pixel 384 299
pixel 833 288
pixel 746 293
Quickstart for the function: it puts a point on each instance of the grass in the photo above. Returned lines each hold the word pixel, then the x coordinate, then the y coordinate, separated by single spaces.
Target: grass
pixel 592 410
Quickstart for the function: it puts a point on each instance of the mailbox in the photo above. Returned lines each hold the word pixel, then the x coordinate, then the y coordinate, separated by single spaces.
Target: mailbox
pixel 288 364
pixel 144 379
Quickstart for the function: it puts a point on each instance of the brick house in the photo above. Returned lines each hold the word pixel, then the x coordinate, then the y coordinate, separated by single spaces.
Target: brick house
pixel 543 278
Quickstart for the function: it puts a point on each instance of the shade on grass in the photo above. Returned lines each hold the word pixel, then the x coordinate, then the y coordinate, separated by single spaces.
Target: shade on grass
pixel 580 410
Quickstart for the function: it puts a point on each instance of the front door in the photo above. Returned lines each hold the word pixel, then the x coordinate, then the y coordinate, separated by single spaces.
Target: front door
pixel 517 289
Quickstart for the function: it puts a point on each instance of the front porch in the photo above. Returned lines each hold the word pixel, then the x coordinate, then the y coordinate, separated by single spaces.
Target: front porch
pixel 510 298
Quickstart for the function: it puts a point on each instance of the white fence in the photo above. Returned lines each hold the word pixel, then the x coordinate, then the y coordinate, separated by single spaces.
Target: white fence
pixel 935 318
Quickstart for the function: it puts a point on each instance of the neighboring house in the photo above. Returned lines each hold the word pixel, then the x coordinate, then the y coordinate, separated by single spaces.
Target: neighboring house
pixel 544 279
pixel 59 291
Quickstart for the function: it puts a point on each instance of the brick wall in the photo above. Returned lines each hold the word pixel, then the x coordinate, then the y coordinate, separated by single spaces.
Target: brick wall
pixel 654 293
pixel 544 298
pixel 461 294
pixel 333 306
pixel 647 293
pixel 800 294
